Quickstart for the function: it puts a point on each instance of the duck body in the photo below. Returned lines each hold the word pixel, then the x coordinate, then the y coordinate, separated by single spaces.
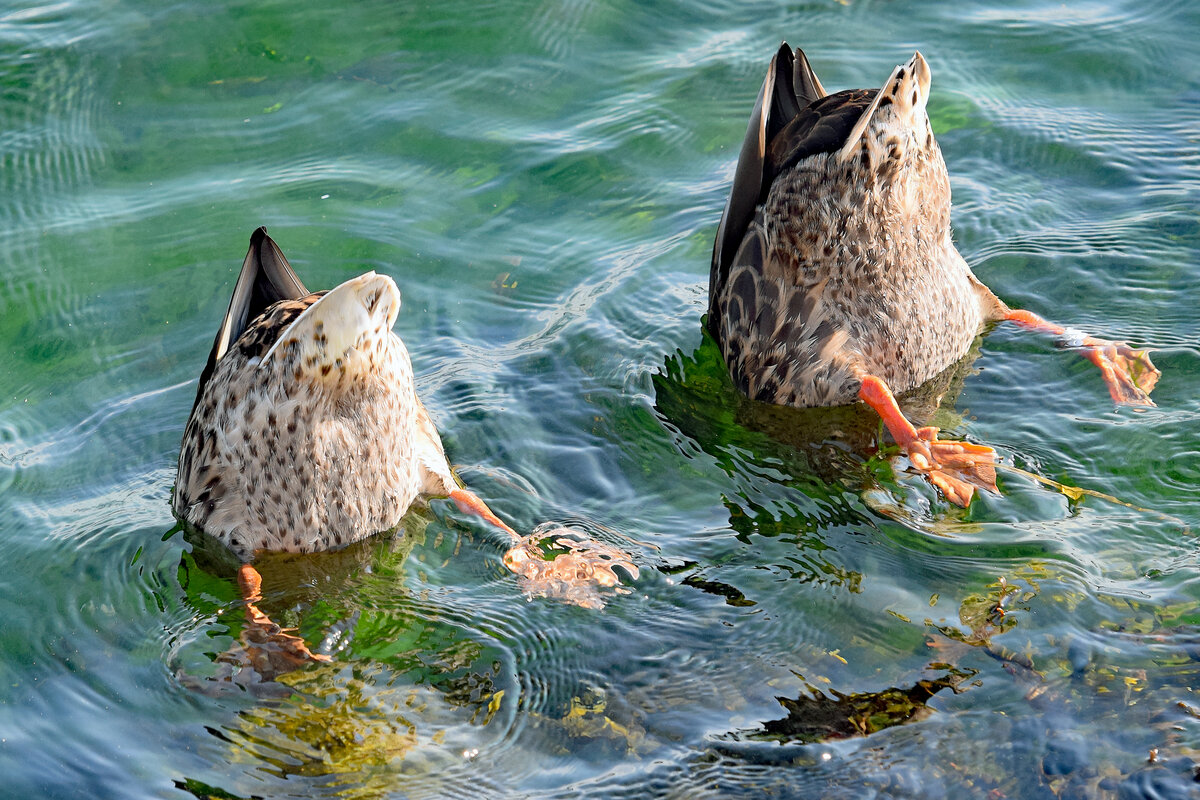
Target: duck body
pixel 307 433
pixel 847 266
pixel 834 275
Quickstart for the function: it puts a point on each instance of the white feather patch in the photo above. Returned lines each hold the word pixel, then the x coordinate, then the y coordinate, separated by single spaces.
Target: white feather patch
pixel 337 321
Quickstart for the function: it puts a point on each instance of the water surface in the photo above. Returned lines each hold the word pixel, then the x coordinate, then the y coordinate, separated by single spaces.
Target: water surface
pixel 543 180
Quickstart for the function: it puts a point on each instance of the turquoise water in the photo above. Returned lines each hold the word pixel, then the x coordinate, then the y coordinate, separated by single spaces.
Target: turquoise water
pixel 543 180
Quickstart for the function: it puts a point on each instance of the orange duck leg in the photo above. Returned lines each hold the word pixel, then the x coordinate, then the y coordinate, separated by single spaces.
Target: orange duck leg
pixel 1129 374
pixel 572 573
pixel 956 468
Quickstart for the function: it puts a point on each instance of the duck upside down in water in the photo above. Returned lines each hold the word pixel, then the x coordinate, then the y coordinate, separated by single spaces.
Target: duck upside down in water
pixel 834 277
pixel 307 434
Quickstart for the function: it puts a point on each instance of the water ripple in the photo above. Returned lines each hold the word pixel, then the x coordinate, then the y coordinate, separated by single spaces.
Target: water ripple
pixel 544 180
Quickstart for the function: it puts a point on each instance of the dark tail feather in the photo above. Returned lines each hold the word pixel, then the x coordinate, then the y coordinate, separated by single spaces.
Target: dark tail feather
pixel 778 104
pixel 808 86
pixel 266 278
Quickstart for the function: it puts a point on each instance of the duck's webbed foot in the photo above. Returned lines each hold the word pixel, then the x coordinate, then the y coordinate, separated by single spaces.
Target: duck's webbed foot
pixel 555 561
pixel 1128 372
pixel 272 650
pixel 956 468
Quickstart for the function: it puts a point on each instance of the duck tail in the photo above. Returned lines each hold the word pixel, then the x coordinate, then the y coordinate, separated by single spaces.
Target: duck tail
pixel 266 278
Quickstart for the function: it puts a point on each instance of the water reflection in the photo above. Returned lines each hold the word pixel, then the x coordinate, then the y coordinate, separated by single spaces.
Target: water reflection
pixel 591 164
pixel 827 459
pixel 813 446
pixel 407 683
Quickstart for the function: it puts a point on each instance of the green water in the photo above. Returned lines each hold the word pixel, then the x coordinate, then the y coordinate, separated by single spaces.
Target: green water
pixel 543 180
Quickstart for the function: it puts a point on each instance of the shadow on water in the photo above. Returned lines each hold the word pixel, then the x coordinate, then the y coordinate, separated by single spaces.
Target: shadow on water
pixel 835 462
pixel 820 716
pixel 407 678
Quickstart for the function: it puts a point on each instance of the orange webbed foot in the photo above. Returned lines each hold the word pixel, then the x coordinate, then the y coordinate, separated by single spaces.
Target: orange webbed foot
pixel 578 565
pixel 273 651
pixel 956 468
pixel 1128 372
pixel 579 568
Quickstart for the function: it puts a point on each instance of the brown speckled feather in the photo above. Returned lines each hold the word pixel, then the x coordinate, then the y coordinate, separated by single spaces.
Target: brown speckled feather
pixel 308 434
pixel 845 266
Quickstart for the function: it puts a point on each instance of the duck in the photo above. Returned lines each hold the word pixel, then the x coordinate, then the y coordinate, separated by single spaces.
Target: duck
pixel 834 277
pixel 307 435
